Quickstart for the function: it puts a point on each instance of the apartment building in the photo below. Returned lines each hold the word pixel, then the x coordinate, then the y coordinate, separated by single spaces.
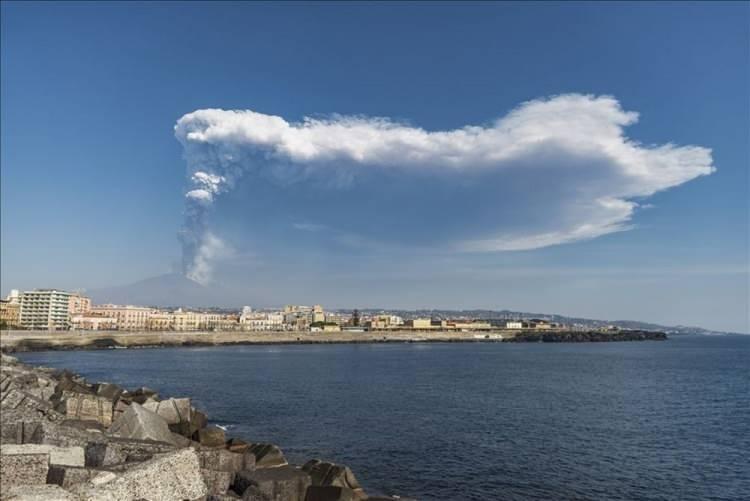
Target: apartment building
pixel 261 321
pixel 91 321
pixel 10 310
pixel 79 304
pixel 129 318
pixel 45 309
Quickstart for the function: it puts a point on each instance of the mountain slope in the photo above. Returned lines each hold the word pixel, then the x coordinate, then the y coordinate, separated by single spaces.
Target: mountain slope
pixel 164 290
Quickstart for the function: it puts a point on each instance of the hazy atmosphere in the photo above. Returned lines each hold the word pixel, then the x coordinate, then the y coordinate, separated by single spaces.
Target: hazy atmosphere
pixel 293 153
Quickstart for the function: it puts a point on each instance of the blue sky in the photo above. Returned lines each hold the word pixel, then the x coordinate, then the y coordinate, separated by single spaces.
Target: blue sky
pixel 94 180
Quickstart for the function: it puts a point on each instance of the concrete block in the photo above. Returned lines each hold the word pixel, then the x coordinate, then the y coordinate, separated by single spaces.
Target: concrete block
pixel 329 493
pixel 87 407
pixel 70 476
pixel 220 460
pixel 109 391
pixel 325 473
pixel 110 451
pixel 237 445
pixel 282 483
pixel 267 455
pixel 67 456
pixel 173 410
pixel 217 482
pixel 140 423
pixel 39 493
pixel 169 477
pixel 211 437
pixel 22 465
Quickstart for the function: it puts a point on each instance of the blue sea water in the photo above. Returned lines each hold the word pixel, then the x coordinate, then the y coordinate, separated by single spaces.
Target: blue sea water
pixel 592 421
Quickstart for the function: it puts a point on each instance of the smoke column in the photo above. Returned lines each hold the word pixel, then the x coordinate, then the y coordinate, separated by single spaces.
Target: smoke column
pixel 563 168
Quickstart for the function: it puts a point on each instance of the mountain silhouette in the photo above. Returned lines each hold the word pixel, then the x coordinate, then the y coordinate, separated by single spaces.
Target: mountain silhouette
pixel 172 289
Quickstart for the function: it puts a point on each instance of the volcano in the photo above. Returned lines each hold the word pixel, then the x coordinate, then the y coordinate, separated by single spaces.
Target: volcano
pixel 172 289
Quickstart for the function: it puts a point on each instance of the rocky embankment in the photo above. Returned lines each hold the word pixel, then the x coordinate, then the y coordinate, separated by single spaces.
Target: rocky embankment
pixel 586 336
pixel 65 439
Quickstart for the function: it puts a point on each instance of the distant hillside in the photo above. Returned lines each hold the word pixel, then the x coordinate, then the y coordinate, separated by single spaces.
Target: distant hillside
pixel 165 290
pixel 499 316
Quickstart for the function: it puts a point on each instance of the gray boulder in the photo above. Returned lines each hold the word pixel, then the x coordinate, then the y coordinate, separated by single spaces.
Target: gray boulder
pixel 110 391
pixel 22 465
pixel 39 493
pixel 137 422
pixel 70 476
pixel 67 456
pixel 217 482
pixel 329 493
pixel 109 451
pixel 14 398
pixel 86 407
pixel 237 445
pixel 211 437
pixel 267 455
pixel 329 474
pixel 169 477
pixel 173 410
pixel 284 483
pixel 142 394
pixel 220 460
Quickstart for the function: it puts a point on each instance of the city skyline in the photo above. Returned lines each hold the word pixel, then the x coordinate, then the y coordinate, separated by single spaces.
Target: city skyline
pixel 418 181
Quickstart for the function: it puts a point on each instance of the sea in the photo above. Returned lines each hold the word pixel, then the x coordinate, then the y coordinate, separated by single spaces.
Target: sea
pixel 652 420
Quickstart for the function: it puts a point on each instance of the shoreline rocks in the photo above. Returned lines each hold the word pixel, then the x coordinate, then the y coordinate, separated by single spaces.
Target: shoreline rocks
pixel 587 336
pixel 63 438
pixel 23 341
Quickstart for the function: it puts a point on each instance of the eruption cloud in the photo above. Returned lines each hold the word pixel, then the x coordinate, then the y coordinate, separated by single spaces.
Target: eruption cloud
pixel 551 171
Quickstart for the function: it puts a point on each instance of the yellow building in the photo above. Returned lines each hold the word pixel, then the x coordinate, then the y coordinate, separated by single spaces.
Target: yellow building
pixel 419 323
pixel 79 304
pixel 129 318
pixel 10 314
pixel 92 322
pixel 470 326
pixel 159 321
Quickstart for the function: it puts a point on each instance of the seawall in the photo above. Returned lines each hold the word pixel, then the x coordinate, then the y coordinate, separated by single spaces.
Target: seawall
pixel 20 340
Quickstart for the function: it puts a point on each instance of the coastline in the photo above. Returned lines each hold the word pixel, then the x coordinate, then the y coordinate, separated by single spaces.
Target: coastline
pixel 64 438
pixel 19 340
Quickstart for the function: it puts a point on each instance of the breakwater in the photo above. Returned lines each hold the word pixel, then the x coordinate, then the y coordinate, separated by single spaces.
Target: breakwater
pixel 587 336
pixel 65 438
pixel 12 341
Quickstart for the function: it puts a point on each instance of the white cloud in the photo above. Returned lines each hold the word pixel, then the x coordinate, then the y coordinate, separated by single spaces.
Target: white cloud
pixel 312 227
pixel 551 171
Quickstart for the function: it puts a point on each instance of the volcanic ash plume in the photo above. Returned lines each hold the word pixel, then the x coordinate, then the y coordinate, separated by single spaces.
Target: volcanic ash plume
pixel 551 171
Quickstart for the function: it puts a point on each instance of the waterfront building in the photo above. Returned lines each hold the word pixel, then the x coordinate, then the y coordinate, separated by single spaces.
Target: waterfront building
pixel 10 310
pixel 300 317
pixel 45 309
pixel 384 321
pixel 317 314
pixel 194 321
pixel 79 304
pixel 261 321
pixel 92 321
pixel 514 324
pixel 129 318
pixel 469 326
pixel 159 321
pixel 419 323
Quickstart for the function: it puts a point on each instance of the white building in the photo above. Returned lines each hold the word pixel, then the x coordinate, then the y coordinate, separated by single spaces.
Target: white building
pixel 514 324
pixel 45 309
pixel 261 321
